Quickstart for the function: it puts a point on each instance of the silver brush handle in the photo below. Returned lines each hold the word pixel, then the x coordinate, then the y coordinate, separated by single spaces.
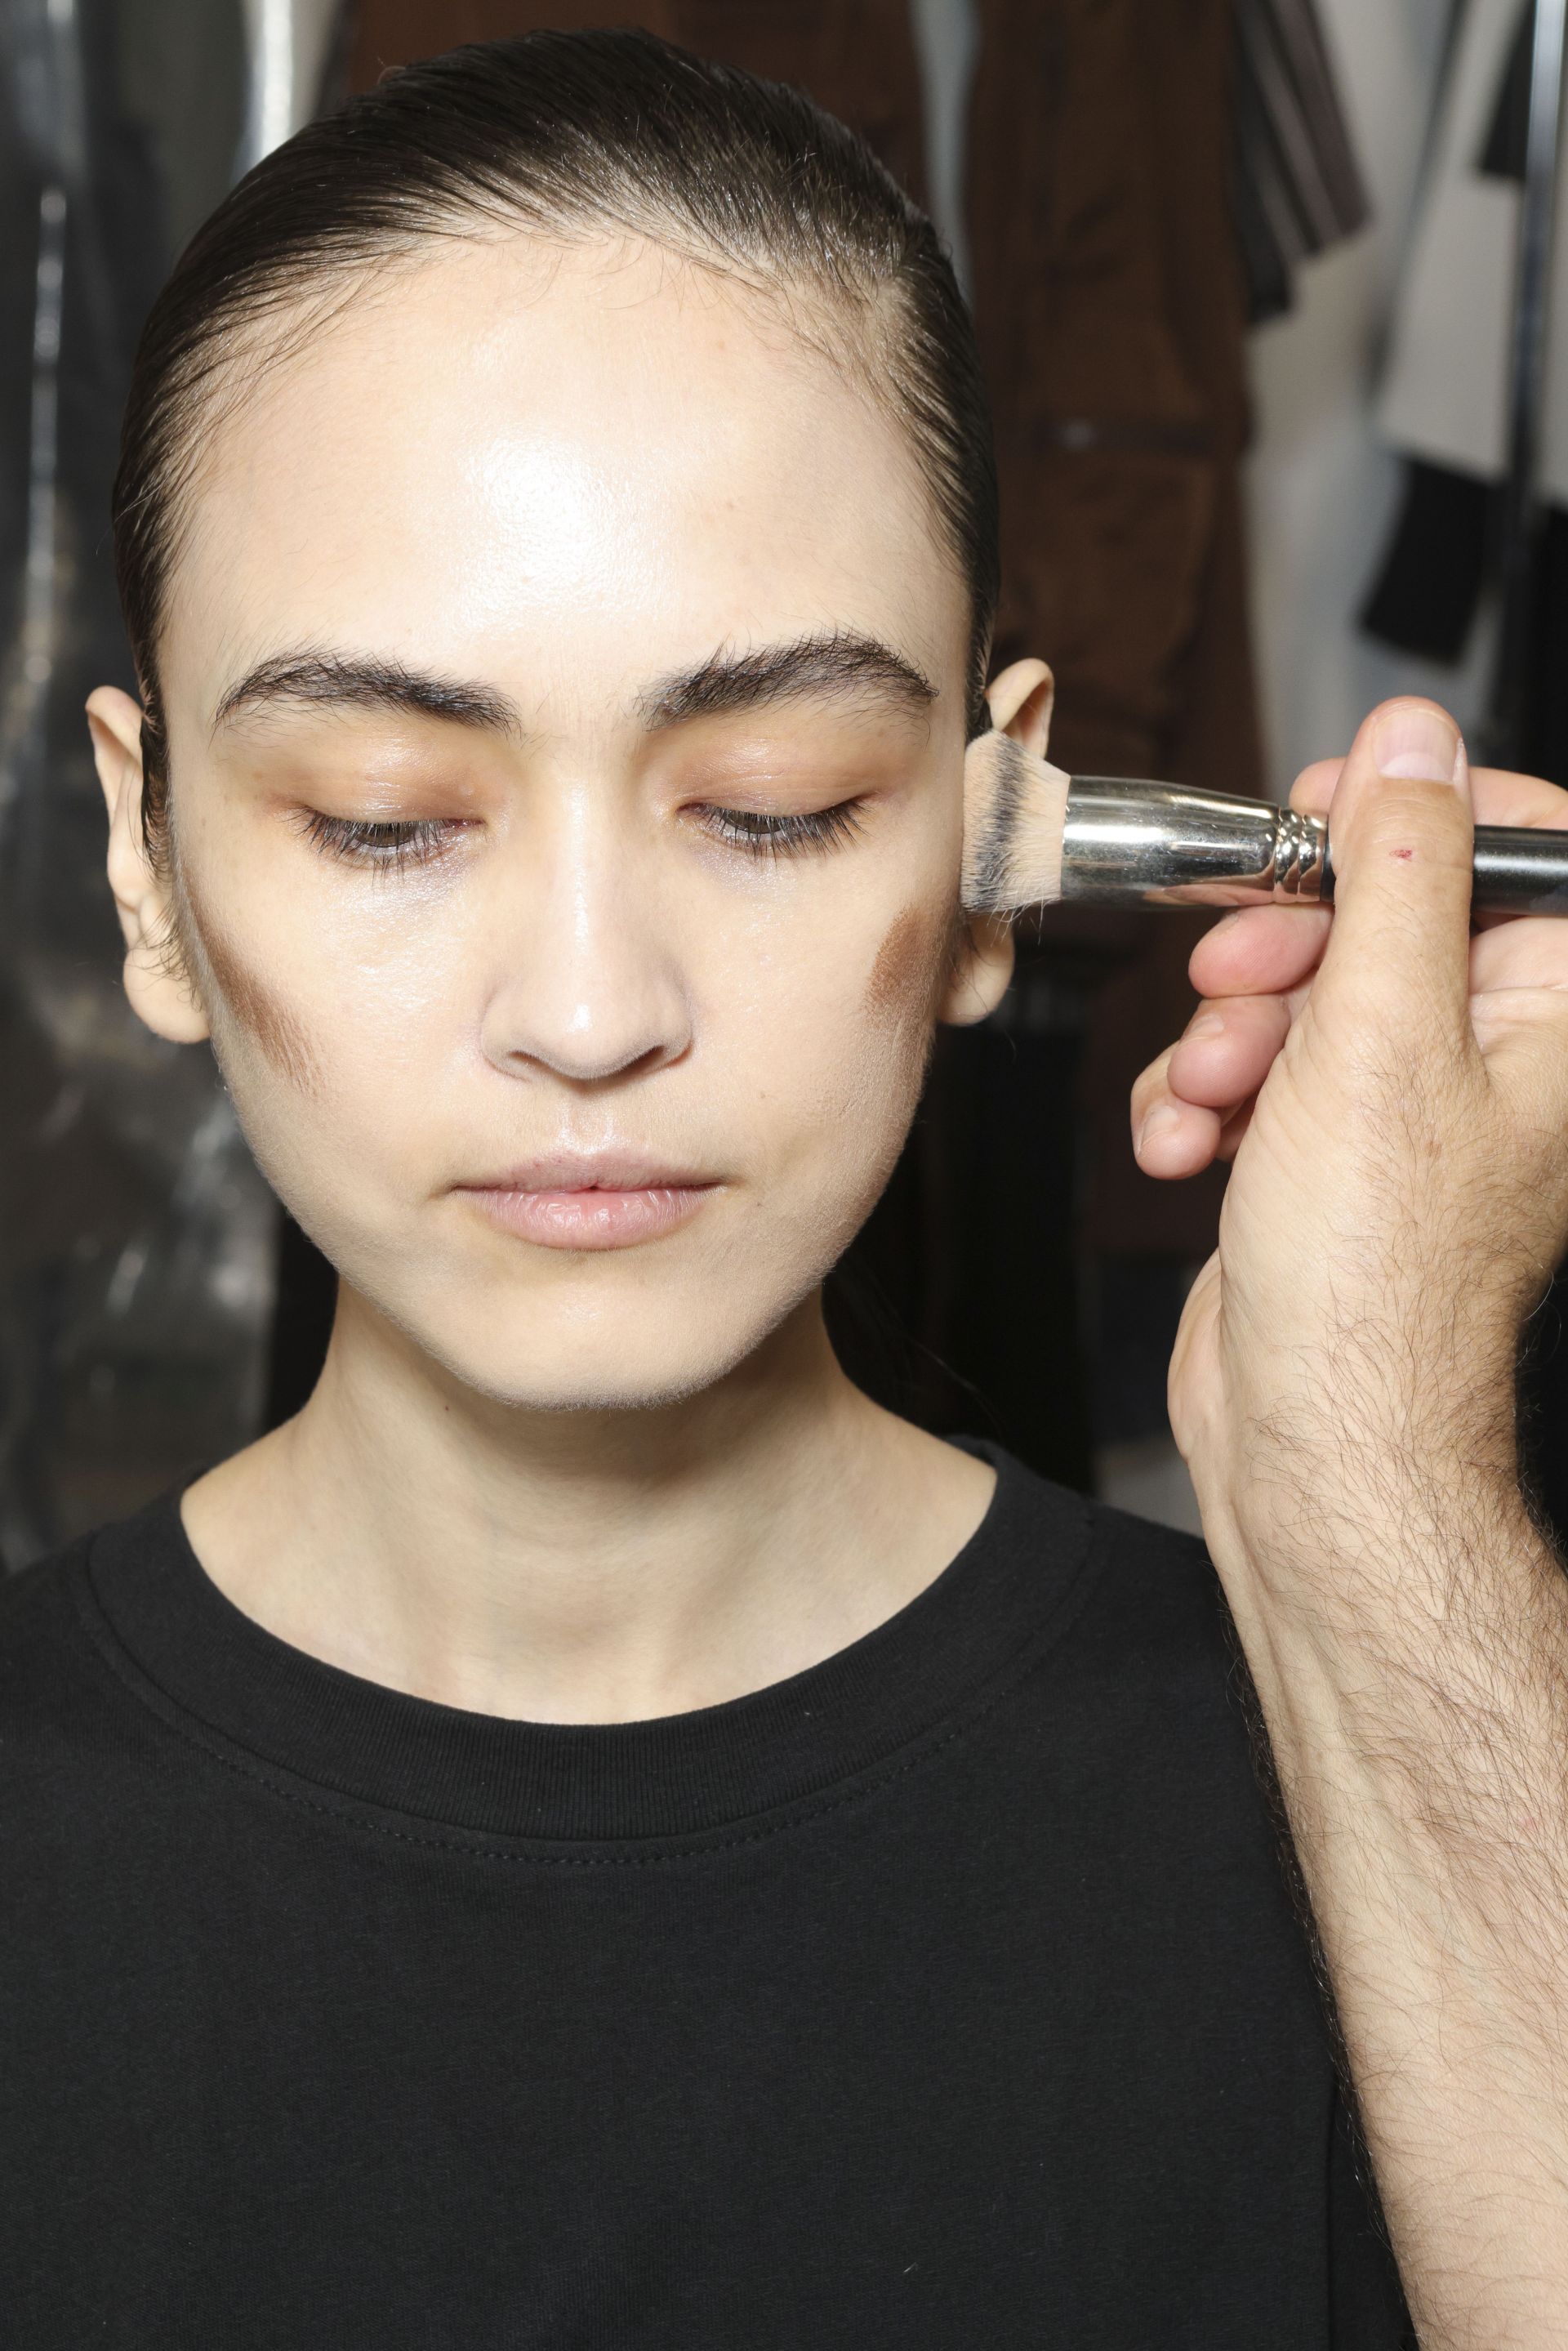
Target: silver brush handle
pixel 1165 845
pixel 1170 846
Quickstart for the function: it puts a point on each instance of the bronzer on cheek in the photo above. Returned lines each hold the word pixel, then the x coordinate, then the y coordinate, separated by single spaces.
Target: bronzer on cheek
pixel 278 1034
pixel 906 975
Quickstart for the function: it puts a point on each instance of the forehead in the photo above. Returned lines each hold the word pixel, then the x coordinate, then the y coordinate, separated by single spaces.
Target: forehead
pixel 561 469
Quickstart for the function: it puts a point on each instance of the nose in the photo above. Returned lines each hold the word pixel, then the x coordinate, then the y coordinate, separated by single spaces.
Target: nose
pixel 589 981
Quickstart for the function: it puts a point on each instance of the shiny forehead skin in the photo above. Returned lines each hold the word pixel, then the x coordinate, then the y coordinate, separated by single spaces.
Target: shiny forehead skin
pixel 563 476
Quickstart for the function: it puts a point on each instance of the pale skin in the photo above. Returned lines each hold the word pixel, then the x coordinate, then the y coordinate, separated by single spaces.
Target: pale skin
pixel 583 1487
pixel 444 482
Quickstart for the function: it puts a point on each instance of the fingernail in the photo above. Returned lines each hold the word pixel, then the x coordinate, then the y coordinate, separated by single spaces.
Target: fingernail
pixel 1208 1024
pixel 1415 741
pixel 1162 1116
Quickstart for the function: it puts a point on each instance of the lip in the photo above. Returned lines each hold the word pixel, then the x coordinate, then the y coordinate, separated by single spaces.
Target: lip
pixel 590 1200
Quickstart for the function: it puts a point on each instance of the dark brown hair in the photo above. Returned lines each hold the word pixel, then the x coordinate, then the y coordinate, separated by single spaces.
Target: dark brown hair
pixel 566 135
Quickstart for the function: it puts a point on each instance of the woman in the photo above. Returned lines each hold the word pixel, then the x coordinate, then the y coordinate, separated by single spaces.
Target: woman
pixel 594 1833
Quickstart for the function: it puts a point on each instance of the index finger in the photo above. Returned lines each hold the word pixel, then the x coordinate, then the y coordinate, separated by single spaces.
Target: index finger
pixel 1499 796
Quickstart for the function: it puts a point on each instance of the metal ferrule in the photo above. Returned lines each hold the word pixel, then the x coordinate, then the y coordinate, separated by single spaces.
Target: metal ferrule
pixel 1163 845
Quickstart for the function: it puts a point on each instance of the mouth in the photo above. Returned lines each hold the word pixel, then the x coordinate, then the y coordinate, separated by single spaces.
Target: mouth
pixel 590 1200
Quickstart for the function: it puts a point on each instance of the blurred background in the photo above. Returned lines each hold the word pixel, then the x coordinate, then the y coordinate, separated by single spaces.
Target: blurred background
pixel 1263 288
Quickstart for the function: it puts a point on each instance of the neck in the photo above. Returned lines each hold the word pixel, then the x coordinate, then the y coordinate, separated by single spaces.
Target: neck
pixel 581 1567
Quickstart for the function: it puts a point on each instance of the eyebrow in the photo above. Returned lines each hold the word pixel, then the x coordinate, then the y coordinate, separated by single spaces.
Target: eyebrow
pixel 836 662
pixel 839 662
pixel 357 681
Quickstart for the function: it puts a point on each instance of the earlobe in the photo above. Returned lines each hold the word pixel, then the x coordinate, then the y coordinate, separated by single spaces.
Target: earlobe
pixel 982 969
pixel 156 984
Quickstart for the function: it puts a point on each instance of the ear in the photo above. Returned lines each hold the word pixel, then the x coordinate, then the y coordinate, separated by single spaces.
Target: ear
pixel 155 982
pixel 1020 698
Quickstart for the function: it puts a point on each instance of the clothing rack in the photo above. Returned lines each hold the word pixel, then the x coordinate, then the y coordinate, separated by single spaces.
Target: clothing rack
pixel 1503 728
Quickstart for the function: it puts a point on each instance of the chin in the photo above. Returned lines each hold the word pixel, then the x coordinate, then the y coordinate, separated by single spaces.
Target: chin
pixel 615 1331
pixel 630 1362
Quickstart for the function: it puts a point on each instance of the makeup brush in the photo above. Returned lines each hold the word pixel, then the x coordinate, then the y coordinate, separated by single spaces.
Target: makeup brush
pixel 1034 834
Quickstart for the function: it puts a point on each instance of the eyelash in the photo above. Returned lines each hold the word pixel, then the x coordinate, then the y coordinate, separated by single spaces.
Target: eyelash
pixel 762 835
pixel 390 847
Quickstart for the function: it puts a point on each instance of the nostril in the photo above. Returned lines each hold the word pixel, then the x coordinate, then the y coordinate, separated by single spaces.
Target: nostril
pixel 587 1010
pixel 580 1063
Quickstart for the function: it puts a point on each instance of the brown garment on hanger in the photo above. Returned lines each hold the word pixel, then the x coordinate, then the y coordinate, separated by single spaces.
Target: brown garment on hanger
pixel 1111 310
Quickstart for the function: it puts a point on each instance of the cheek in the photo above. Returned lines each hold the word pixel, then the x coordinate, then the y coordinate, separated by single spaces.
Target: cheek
pixel 906 973
pixel 841 1053
pixel 325 1039
pixel 268 1022
pixel 334 994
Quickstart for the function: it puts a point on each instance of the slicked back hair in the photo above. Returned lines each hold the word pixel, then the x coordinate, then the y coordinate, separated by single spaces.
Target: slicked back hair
pixel 568 136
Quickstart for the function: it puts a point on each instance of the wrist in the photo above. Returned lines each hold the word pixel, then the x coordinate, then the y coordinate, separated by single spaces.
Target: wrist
pixel 1382 1632
pixel 1399 1426
pixel 1373 1534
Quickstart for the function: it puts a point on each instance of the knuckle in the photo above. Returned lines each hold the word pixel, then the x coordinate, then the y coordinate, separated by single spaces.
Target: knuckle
pixel 1149 1079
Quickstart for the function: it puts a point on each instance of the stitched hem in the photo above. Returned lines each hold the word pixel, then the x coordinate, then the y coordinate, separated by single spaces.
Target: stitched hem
pixel 615 1853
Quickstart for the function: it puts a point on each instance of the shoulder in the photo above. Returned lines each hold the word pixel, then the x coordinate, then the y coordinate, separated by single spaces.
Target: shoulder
pixel 59 1689
pixel 37 1621
pixel 1139 1586
pixel 1145 1657
pixel 47 1674
pixel 1157 1582
pixel 1159 1620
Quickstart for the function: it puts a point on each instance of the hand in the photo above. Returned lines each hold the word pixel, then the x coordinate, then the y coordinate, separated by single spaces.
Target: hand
pixel 1394 1093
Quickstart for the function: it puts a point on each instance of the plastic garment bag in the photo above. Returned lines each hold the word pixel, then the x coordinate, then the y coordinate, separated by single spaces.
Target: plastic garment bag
pixel 137 1240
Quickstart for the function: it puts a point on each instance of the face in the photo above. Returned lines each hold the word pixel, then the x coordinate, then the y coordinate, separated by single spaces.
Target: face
pixel 564 683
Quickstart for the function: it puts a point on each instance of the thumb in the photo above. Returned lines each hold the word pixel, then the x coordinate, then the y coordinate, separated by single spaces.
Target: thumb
pixel 1402 840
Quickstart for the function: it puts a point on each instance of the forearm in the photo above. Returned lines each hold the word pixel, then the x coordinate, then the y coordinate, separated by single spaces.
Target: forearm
pixel 1411 1664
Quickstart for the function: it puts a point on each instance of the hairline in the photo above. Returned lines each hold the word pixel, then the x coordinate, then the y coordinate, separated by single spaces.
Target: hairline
pixel 328 288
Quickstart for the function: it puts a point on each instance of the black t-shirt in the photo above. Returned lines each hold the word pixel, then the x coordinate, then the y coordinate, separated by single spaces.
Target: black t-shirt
pixel 948 1994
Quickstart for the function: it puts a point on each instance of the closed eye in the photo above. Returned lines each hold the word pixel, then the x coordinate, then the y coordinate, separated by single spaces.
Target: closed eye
pixel 394 845
pixel 762 834
pixel 389 846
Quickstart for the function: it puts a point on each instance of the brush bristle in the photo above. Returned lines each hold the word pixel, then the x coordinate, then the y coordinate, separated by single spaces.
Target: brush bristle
pixel 1015 809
